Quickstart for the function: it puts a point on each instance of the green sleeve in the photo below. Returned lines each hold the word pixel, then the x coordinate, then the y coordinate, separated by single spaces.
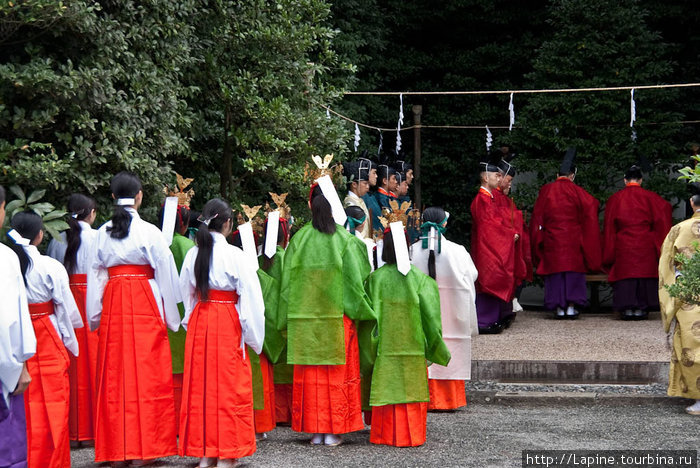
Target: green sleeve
pixel 356 269
pixel 283 303
pixel 429 296
pixel 367 340
pixel 274 342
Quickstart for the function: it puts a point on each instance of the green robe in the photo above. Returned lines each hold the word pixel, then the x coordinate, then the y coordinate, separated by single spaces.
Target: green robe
pixel 179 247
pixel 322 280
pixel 409 331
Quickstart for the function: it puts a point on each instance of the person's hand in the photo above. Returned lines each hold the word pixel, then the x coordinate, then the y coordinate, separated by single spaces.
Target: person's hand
pixel 24 381
pixel 516 236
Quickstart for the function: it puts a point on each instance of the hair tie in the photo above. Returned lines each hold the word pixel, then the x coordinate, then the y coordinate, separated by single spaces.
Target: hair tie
pixel 17 238
pixel 74 215
pixel 352 223
pixel 425 231
pixel 206 221
pixel 126 201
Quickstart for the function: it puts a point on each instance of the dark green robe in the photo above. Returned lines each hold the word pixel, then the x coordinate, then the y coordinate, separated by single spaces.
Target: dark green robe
pixel 409 331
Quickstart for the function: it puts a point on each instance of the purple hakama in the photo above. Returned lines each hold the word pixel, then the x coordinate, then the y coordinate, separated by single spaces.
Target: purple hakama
pixel 13 430
pixel 490 309
pixel 636 293
pixel 564 288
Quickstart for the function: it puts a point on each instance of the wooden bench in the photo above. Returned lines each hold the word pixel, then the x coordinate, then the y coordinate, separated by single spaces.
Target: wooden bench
pixel 595 280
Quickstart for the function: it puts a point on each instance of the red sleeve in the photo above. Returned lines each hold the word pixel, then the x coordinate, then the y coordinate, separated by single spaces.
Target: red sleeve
pixel 611 209
pixel 536 237
pixel 591 232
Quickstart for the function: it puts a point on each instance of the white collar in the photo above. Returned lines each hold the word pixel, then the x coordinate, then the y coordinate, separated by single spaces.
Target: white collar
pixel 487 189
pixel 132 211
pixel 218 237
pixel 352 194
pixel 84 226
pixel 31 250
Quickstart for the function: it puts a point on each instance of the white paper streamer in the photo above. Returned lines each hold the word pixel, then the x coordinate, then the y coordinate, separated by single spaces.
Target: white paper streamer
pixel 511 111
pixel 403 263
pixel 489 139
pixel 273 226
pixel 248 243
pixel 381 143
pixel 169 215
pixel 398 126
pixel 328 113
pixel 331 195
pixel 17 237
pixel 633 109
pixel 126 201
pixel 357 137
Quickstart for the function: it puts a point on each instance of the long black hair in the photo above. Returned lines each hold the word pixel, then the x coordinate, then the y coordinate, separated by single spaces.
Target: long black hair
pixel 217 212
pixel 321 212
pixel 27 224
pixel 123 185
pixel 79 208
pixel 388 254
pixel 436 215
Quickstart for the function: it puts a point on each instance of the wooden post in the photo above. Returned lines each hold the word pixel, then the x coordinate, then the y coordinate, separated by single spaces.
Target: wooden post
pixel 417 111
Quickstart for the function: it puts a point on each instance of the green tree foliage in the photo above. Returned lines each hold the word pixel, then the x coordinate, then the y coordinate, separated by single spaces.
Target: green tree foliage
pixel 590 49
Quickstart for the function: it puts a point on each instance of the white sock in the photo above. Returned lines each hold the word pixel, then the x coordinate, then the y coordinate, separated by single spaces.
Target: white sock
pixel 207 461
pixel 332 439
pixel 570 310
pixel 227 463
pixel 516 306
pixel 695 406
pixel 317 439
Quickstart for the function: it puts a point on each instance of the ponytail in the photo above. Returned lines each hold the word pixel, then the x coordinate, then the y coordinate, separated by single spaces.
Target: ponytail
pixel 432 217
pixel 123 185
pixel 79 208
pixel 28 225
pixel 321 212
pixel 214 215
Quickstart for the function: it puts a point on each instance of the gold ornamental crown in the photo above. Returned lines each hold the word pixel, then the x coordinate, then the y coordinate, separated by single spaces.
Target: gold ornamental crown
pixel 252 214
pixel 183 197
pixel 396 213
pixel 323 167
pixel 279 200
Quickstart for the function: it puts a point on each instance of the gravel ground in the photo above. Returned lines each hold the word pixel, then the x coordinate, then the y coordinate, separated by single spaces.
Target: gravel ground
pixel 484 435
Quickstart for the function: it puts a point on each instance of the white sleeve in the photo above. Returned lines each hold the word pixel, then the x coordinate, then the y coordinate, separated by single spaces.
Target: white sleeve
pixel 168 280
pixel 65 308
pixel 188 285
pixel 97 277
pixel 251 307
pixel 57 249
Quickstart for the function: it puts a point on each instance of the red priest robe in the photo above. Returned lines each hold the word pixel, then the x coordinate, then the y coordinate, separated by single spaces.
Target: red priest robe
pixel 564 229
pixel 636 223
pixel 514 218
pixel 493 246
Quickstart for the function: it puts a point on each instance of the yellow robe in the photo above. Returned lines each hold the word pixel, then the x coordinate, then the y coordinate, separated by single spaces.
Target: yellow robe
pixel 684 375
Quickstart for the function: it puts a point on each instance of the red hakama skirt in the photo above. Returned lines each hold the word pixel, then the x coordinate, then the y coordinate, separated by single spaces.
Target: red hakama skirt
pixel 401 425
pixel 265 418
pixel 135 411
pixel 327 398
pixel 283 403
pixel 216 418
pixel 82 370
pixel 47 399
pixel 177 396
pixel 446 394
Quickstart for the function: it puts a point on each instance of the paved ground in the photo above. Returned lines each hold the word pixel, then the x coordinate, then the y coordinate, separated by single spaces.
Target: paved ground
pixel 487 435
pixel 535 336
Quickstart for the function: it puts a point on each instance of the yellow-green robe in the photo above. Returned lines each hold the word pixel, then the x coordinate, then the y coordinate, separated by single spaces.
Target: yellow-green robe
pixel 179 247
pixel 684 375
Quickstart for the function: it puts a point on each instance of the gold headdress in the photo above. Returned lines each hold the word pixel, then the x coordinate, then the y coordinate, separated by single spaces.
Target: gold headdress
pixel 323 167
pixel 183 197
pixel 279 200
pixel 252 214
pixel 396 213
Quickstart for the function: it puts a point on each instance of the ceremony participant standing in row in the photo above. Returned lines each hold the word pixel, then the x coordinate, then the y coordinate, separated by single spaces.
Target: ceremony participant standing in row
pixel 451 266
pixel 636 223
pixel 684 373
pixel 387 185
pixel 370 199
pixel 493 251
pixel 565 240
pixel 54 315
pixel 407 304
pixel 224 311
pixel 17 345
pixel 74 252
pixel 321 294
pixel 357 175
pixel 132 295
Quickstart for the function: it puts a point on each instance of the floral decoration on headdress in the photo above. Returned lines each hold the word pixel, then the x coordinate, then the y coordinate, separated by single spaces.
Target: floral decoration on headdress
pixel 183 197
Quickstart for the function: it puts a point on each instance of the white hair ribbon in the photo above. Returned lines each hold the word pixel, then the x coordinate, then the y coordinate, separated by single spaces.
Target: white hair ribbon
pixel 489 139
pixel 126 201
pixel 169 218
pixel 432 237
pixel 17 238
pixel 273 226
pixel 357 137
pixel 403 263
pixel 511 111
pixel 328 190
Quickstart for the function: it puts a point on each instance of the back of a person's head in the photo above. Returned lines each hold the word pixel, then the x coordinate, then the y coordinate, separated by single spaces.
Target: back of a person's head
pixel 321 212
pixel 79 207
pixel 123 185
pixel 28 225
pixel 215 214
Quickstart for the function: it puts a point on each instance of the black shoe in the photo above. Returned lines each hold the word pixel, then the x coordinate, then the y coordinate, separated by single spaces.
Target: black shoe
pixel 627 314
pixel 507 321
pixel 494 329
pixel 641 314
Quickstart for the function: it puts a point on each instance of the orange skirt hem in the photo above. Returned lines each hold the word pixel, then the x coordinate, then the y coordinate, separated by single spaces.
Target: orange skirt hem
pixel 446 394
pixel 401 425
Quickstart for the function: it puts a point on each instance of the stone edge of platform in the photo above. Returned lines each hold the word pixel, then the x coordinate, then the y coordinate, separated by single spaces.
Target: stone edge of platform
pixel 568 398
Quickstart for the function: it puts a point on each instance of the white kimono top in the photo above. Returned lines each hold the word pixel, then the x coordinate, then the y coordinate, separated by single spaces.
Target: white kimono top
pixel 370 245
pixel 17 340
pixel 145 245
pixel 57 249
pixel 47 280
pixel 230 270
pixel 351 199
pixel 456 274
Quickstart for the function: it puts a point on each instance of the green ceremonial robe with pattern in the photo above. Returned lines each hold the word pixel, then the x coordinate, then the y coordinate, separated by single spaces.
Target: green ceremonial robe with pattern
pixel 322 280
pixel 179 247
pixel 409 331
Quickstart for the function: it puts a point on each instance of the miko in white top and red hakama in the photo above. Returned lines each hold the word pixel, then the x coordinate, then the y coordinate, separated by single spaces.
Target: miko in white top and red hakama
pixel 132 295
pixel 216 419
pixel 54 314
